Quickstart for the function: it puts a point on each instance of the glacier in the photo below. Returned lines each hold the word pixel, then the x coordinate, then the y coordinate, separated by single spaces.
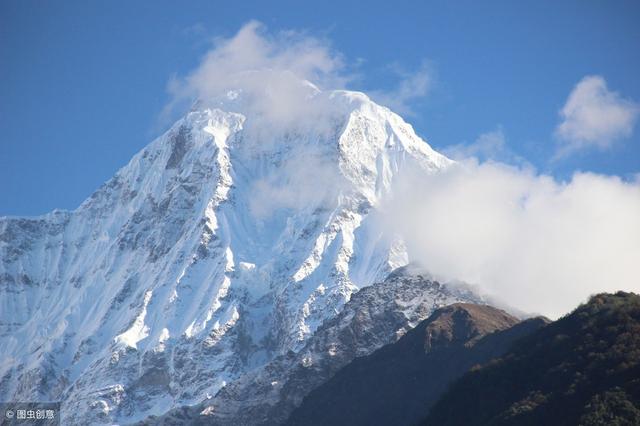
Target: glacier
pixel 223 248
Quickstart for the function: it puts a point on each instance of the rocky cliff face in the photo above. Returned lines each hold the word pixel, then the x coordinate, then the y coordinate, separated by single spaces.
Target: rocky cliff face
pixel 220 248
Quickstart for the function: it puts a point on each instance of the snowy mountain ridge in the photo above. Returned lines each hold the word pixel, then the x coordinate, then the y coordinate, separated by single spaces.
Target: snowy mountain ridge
pixel 222 245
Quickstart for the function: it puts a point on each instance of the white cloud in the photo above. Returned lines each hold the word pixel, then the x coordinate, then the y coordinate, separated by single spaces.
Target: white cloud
pixel 268 73
pixel 491 145
pixel 306 179
pixel 594 117
pixel 412 86
pixel 538 244
pixel 277 74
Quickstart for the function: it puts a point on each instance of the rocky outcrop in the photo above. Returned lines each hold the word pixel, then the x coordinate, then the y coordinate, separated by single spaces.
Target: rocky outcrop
pixel 375 316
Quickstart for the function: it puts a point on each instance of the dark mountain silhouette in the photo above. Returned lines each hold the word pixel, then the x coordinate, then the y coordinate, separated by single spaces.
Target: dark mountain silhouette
pixel 583 369
pixel 398 383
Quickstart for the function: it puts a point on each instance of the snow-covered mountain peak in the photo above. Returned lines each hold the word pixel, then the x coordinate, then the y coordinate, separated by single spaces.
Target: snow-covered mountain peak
pixel 338 132
pixel 224 243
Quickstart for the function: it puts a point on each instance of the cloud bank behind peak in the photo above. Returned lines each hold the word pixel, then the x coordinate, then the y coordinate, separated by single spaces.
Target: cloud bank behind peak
pixel 539 244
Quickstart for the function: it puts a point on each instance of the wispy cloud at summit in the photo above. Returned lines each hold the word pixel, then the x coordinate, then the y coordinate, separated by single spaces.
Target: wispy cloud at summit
pixel 270 72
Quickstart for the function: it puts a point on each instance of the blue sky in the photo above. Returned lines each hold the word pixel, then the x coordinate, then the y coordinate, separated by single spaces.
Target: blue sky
pixel 83 84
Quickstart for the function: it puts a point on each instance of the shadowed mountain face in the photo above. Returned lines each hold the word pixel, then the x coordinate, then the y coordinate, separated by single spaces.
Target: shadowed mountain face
pixel 582 369
pixel 398 383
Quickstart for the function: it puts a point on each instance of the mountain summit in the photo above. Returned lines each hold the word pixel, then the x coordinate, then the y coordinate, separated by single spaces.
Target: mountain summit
pixel 222 245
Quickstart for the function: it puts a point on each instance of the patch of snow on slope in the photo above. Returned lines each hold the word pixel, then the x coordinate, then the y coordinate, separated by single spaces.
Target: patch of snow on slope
pixel 138 330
